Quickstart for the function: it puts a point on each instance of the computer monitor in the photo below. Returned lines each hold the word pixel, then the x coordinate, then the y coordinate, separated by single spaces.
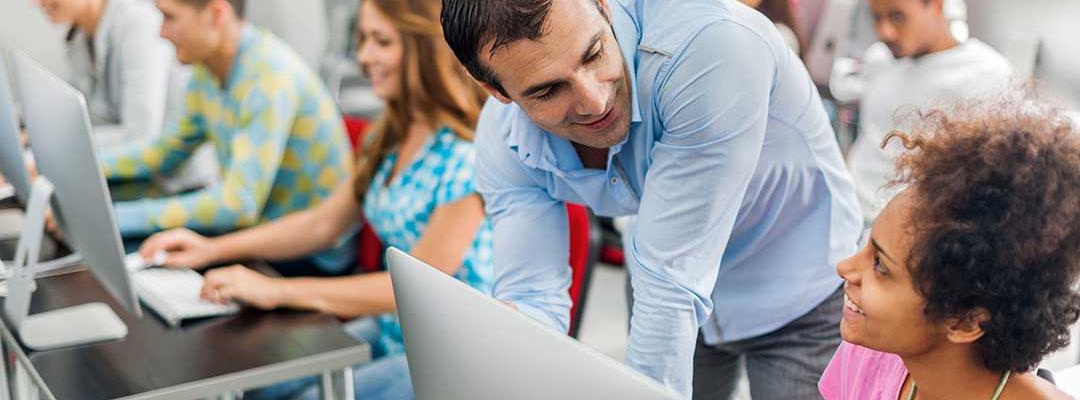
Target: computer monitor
pixel 466 345
pixel 12 163
pixel 13 168
pixel 71 178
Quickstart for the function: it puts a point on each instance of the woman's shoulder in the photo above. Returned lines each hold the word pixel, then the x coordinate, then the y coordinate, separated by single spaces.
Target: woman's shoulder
pixel 453 146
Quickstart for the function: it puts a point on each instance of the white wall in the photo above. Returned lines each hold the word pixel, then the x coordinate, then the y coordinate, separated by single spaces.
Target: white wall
pixel 1037 36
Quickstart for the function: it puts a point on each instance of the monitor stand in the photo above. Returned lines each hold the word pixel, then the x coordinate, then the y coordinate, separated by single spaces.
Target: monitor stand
pixel 82 324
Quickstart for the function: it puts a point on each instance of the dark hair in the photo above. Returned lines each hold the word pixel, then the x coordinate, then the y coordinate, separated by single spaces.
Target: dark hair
pixel 238 6
pixel 469 25
pixel 997 224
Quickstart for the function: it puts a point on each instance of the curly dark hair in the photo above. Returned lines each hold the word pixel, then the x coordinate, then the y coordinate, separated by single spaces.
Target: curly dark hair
pixel 997 223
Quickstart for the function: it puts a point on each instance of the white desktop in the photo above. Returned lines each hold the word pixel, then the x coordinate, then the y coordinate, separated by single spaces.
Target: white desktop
pixel 72 182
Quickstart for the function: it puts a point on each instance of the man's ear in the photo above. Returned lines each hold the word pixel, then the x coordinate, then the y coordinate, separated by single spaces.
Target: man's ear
pixel 220 11
pixel 604 6
pixel 967 329
pixel 937 5
pixel 498 95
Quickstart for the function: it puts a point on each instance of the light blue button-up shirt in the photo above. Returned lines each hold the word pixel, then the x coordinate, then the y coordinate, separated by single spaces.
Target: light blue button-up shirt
pixel 743 203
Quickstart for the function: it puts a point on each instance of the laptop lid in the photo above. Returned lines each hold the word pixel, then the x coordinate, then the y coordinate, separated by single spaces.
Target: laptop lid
pixel 463 344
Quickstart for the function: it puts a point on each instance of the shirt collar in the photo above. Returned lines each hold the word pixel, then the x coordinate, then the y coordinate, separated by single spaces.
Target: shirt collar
pixel 628 35
pixel 248 36
pixel 102 34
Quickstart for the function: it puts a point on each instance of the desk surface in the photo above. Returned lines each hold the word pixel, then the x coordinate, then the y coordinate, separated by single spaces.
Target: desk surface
pixel 196 359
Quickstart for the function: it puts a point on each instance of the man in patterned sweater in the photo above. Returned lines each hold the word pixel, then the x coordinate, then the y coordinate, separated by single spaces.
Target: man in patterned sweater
pixel 277 133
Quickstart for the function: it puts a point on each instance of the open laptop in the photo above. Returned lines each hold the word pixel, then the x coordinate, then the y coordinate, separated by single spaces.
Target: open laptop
pixel 463 344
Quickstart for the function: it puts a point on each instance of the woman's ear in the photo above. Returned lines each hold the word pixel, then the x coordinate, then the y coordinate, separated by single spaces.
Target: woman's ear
pixel 968 328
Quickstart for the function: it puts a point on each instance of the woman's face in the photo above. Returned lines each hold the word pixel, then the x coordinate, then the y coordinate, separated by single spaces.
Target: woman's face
pixel 882 310
pixel 380 51
pixel 61 11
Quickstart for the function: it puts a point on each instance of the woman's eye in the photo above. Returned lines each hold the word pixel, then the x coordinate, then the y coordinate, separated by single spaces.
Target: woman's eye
pixel 878 267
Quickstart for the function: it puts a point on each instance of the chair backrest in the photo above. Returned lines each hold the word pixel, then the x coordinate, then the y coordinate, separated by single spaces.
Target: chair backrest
pixel 585 244
pixel 1046 375
pixel 369 249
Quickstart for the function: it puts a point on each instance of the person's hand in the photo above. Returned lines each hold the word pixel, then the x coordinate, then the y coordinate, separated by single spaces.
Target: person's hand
pixel 185 249
pixel 240 284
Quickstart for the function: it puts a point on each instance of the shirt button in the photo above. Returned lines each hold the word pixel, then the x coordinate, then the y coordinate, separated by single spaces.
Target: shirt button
pixel 614 180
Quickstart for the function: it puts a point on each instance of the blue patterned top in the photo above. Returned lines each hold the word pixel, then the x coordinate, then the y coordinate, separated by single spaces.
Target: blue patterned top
pixel 442 172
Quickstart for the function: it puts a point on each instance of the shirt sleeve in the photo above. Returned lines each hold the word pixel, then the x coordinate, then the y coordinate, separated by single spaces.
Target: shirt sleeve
pixel 713 105
pixel 144 159
pixel 256 150
pixel 531 249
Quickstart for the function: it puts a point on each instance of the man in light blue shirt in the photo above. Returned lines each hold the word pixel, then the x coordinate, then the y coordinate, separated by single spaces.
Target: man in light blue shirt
pixel 694 116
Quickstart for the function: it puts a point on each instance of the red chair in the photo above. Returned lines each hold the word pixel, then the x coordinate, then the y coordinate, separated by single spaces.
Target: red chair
pixel 368 248
pixel 585 243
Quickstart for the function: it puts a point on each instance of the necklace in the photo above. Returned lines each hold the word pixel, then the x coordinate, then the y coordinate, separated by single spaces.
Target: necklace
pixel 997 392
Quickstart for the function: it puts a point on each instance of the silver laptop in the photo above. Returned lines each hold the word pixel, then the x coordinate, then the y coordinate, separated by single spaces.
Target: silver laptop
pixel 463 344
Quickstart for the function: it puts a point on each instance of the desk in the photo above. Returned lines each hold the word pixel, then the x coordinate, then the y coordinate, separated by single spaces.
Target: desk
pixel 202 359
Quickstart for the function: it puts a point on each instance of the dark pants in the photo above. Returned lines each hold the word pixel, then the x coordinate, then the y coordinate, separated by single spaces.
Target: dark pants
pixel 784 364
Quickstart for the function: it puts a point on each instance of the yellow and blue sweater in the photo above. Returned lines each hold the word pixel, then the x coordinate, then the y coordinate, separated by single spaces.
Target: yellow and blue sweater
pixel 278 136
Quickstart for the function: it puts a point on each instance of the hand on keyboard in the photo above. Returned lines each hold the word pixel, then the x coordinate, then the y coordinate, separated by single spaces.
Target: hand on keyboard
pixel 186 249
pixel 174 294
pixel 243 285
pixel 135 262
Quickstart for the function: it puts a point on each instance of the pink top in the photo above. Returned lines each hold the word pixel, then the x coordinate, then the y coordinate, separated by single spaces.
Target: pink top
pixel 858 373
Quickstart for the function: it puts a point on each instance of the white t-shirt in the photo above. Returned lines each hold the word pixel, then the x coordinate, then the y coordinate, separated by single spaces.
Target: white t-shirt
pixel 967 71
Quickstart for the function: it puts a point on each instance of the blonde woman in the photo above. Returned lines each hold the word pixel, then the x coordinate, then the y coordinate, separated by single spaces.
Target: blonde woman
pixel 413 184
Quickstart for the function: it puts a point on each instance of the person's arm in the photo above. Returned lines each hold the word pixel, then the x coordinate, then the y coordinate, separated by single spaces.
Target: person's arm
pixel 444 243
pixel 143 159
pixel 294 235
pixel 256 148
pixel 530 228
pixel 714 107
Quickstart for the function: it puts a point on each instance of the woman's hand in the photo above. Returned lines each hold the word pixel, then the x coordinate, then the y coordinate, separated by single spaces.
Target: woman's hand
pixel 240 284
pixel 185 249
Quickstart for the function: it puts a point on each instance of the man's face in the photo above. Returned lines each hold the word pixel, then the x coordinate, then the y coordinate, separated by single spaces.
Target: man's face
pixel 191 30
pixel 909 27
pixel 571 82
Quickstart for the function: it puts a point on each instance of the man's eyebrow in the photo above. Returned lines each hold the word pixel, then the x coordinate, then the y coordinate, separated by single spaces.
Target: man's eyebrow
pixel 592 45
pixel 589 52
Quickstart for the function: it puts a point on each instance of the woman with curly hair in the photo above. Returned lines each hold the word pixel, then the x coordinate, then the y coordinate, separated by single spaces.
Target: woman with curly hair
pixel 969 277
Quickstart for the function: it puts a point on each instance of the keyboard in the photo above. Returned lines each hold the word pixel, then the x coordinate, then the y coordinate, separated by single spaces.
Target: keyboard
pixel 173 293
